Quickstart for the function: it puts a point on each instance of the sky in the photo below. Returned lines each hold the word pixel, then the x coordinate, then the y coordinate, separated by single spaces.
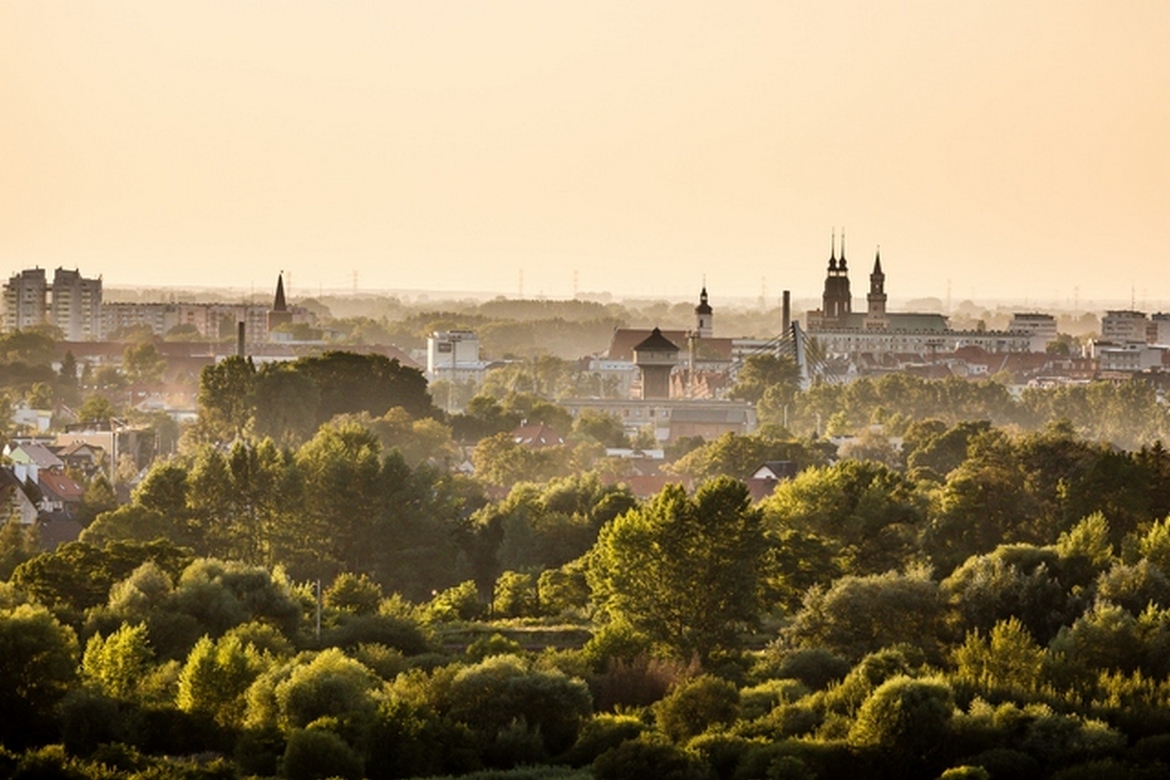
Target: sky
pixel 994 150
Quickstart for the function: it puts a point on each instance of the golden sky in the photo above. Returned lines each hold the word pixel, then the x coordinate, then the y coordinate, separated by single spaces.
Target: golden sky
pixel 1008 149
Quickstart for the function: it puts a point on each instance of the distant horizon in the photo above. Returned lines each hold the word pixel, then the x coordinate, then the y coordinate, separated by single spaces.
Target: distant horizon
pixel 417 297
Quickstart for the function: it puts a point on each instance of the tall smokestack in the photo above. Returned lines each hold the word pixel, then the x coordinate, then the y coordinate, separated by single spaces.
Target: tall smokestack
pixel 240 339
pixel 787 311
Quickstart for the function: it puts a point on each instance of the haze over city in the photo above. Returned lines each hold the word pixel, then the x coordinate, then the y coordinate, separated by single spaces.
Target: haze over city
pixel 995 149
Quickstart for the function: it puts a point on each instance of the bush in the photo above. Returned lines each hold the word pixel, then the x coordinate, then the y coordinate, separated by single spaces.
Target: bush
pixel 638 759
pixel 759 700
pixel 515 596
pixel 815 667
pixel 600 734
pixel 314 754
pixel 496 644
pixel 905 716
pixel 386 662
pixel 859 615
pixel 614 641
pixel 354 593
pixel 398 633
pixel 332 685
pixel 89 719
pixel 492 695
pixel 696 705
pixel 461 602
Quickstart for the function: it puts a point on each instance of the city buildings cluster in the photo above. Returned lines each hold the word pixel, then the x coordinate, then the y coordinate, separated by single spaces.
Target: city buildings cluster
pixel 73 303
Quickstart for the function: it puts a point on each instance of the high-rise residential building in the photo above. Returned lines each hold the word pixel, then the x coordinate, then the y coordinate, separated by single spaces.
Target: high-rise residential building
pixel 77 305
pixel 25 299
pixel 1121 326
pixel 73 303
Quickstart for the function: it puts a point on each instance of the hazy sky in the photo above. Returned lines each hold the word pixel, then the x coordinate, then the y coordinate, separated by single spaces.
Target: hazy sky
pixel 1010 149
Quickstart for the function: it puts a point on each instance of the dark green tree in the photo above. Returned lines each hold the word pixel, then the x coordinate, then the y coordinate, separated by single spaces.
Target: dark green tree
pixel 38 664
pixel 226 399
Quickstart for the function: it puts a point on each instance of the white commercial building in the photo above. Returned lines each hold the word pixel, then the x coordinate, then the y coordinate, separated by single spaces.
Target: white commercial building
pixel 1040 328
pixel 454 355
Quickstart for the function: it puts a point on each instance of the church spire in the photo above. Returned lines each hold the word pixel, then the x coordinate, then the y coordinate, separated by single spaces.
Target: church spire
pixel 278 304
pixel 833 250
pixel 877 260
pixel 841 263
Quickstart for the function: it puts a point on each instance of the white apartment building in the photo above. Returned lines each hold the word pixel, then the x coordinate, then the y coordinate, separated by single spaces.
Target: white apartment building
pixel 77 305
pixel 25 297
pixel 73 303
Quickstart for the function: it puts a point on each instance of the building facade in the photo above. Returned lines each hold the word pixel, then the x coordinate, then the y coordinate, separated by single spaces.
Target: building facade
pixel 77 305
pixel 25 300
pixel 1041 328
pixel 73 303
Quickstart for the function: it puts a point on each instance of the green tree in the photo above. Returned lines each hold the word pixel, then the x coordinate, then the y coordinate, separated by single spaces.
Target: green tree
pixel 344 496
pixel 858 615
pixel 40 396
pixel 96 408
pixel 117 664
pixel 99 497
pixel 515 595
pixel 18 543
pixel 419 441
pixel 739 456
pixel 142 363
pixel 317 754
pixel 686 571
pixel 226 399
pixel 350 383
pixel 38 664
pixel 286 402
pixel 1007 660
pixel 602 427
pixel 500 460
pixel 215 678
pixel 332 685
pixel 870 510
pixel 763 372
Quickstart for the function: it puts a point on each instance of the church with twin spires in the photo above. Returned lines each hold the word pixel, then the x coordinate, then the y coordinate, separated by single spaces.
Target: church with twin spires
pixel 841 331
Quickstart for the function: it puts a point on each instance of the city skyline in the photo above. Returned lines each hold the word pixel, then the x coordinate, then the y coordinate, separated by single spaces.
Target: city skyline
pixel 996 151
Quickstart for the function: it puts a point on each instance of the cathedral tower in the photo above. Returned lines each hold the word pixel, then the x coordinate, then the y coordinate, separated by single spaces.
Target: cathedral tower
pixel 837 302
